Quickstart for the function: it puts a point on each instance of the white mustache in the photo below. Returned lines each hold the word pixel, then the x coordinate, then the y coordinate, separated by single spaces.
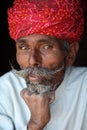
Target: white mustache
pixel 38 71
pixel 40 88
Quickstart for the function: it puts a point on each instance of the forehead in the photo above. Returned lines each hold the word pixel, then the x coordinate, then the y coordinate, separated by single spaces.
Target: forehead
pixel 40 38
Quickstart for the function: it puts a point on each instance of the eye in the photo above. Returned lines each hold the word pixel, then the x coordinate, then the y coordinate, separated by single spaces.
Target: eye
pixel 24 47
pixel 47 47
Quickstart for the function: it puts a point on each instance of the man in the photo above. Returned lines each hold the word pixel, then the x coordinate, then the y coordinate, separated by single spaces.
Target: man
pixel 47 93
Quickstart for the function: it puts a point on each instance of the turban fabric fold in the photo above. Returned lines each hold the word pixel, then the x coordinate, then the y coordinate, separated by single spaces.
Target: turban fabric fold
pixel 61 18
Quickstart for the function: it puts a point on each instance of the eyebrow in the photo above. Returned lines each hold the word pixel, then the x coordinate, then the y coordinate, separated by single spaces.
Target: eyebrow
pixel 42 40
pixel 21 41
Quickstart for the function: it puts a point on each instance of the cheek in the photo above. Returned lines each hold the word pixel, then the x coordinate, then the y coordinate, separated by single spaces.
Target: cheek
pixel 53 60
pixel 22 60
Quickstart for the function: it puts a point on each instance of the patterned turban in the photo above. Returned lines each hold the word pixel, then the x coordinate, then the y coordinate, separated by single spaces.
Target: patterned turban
pixel 61 18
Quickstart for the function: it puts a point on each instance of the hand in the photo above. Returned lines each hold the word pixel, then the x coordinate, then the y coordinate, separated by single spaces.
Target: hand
pixel 39 107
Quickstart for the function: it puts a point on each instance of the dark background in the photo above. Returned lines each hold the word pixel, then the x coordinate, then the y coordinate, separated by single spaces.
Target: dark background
pixel 7 45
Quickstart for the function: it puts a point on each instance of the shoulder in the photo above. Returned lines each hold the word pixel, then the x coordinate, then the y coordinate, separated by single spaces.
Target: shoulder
pixel 8 75
pixel 76 75
pixel 10 87
pixel 11 80
pixel 78 72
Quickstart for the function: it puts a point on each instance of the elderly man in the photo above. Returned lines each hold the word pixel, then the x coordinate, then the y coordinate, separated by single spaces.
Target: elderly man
pixel 47 93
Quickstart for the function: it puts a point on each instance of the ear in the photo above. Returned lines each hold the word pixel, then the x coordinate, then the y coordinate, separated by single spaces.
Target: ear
pixel 73 49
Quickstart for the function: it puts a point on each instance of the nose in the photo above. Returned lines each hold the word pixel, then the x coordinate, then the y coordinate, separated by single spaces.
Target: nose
pixel 34 59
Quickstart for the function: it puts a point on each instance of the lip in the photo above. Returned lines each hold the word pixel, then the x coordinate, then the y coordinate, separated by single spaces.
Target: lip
pixel 34 79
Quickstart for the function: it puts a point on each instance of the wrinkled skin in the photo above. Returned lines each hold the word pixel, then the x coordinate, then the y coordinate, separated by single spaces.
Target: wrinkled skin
pixel 42 51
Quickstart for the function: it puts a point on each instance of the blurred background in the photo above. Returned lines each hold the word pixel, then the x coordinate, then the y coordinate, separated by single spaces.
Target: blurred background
pixel 7 45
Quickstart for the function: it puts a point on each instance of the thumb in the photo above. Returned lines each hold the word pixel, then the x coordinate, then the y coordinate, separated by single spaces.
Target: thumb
pixel 51 97
pixel 25 93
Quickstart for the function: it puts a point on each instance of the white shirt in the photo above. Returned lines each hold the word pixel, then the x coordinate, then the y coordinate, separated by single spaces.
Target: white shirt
pixel 68 111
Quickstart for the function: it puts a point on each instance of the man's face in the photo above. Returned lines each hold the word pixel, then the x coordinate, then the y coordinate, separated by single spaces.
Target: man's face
pixel 42 51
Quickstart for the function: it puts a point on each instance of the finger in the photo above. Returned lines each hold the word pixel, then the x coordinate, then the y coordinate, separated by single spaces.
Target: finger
pixel 51 97
pixel 25 93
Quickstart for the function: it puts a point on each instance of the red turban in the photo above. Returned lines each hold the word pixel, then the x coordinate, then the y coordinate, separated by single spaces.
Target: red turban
pixel 60 18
